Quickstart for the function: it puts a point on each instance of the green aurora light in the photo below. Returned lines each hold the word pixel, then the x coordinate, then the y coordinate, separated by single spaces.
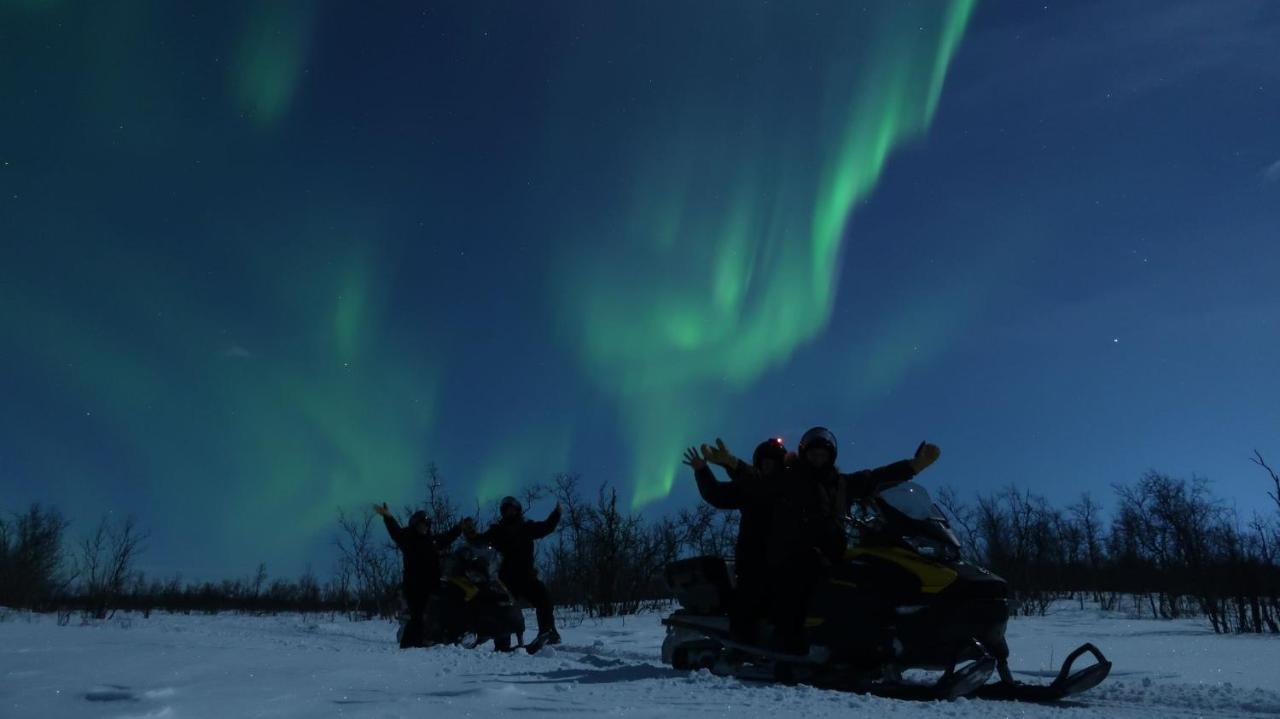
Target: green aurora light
pixel 728 258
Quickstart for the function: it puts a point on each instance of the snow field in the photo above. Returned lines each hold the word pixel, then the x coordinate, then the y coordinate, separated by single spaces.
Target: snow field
pixel 293 666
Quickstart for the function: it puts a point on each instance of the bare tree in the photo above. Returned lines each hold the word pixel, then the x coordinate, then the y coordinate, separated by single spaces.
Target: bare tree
pixel 962 519
pixel 1275 478
pixel 442 511
pixel 106 563
pixel 1086 516
pixel 1021 536
pixel 32 557
pixel 607 561
pixel 259 580
pixel 1177 529
pixel 370 561
pixel 705 530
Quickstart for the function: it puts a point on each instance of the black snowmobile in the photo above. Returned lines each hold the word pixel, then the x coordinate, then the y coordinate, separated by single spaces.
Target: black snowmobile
pixel 472 606
pixel 901 600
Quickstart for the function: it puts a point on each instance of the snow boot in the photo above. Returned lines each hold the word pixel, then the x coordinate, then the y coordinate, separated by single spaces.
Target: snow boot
pixel 550 636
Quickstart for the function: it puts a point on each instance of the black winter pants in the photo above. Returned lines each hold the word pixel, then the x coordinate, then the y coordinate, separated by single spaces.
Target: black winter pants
pixel 749 602
pixel 791 588
pixel 532 590
pixel 414 634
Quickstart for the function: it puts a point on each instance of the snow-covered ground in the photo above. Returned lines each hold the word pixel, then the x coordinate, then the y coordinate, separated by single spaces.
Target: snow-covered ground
pixel 290 666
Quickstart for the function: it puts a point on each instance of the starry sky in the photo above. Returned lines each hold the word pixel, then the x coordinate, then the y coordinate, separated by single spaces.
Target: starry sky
pixel 262 260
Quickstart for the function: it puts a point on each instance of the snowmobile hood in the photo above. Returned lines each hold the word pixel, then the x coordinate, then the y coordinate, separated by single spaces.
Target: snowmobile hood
pixel 934 577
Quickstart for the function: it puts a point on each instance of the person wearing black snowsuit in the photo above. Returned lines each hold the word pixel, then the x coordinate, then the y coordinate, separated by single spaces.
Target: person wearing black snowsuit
pixel 420 549
pixel 513 537
pixel 750 587
pixel 806 531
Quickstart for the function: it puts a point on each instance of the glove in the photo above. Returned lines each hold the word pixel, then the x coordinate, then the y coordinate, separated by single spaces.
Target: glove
pixel 719 454
pixel 926 454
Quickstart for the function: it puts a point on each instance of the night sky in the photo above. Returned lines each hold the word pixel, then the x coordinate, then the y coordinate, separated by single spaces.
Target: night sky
pixel 264 259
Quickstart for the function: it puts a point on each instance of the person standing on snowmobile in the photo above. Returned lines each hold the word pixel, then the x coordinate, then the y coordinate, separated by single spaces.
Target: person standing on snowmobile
pixel 768 462
pixel 513 536
pixel 806 529
pixel 421 551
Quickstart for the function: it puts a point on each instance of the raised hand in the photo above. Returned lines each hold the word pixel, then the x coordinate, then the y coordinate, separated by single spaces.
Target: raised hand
pixel 382 509
pixel 926 454
pixel 692 459
pixel 719 454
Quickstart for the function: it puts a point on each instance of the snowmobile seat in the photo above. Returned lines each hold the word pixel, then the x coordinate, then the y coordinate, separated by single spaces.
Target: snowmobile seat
pixel 701 584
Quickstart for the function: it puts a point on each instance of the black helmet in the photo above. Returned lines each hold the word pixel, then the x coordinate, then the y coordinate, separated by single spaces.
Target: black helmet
pixel 818 437
pixel 510 502
pixel 771 448
pixel 420 516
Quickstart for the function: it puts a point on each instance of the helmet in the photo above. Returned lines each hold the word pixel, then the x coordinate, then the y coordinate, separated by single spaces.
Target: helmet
pixel 510 502
pixel 420 516
pixel 818 437
pixel 771 448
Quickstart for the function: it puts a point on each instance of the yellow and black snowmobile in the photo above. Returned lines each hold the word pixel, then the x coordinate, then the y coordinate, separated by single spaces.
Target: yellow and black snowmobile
pixel 472 606
pixel 902 599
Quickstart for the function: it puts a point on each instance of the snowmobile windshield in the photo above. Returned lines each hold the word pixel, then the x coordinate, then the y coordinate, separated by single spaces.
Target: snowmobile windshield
pixel 912 500
pixel 913 519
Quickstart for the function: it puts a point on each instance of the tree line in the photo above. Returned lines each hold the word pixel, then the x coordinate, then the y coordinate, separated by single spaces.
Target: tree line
pixel 603 560
pixel 96 576
pixel 1167 548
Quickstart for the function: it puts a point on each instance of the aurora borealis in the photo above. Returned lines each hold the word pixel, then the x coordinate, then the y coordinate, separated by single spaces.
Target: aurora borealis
pixel 726 254
pixel 262 260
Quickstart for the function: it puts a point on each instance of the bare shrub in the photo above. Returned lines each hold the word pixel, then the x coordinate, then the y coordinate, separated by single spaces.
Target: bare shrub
pixel 32 558
pixel 369 562
pixel 105 564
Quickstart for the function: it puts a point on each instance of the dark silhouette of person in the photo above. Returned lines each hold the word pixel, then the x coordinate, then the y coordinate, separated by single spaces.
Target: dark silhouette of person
pixel 749 596
pixel 806 532
pixel 513 537
pixel 420 549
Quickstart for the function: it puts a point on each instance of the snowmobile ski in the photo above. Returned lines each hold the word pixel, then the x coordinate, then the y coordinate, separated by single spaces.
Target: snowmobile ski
pixel 1064 685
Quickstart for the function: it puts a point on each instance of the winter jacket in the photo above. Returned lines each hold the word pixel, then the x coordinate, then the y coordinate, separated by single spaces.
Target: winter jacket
pixel 421 554
pixel 807 505
pixel 513 538
pixel 753 524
